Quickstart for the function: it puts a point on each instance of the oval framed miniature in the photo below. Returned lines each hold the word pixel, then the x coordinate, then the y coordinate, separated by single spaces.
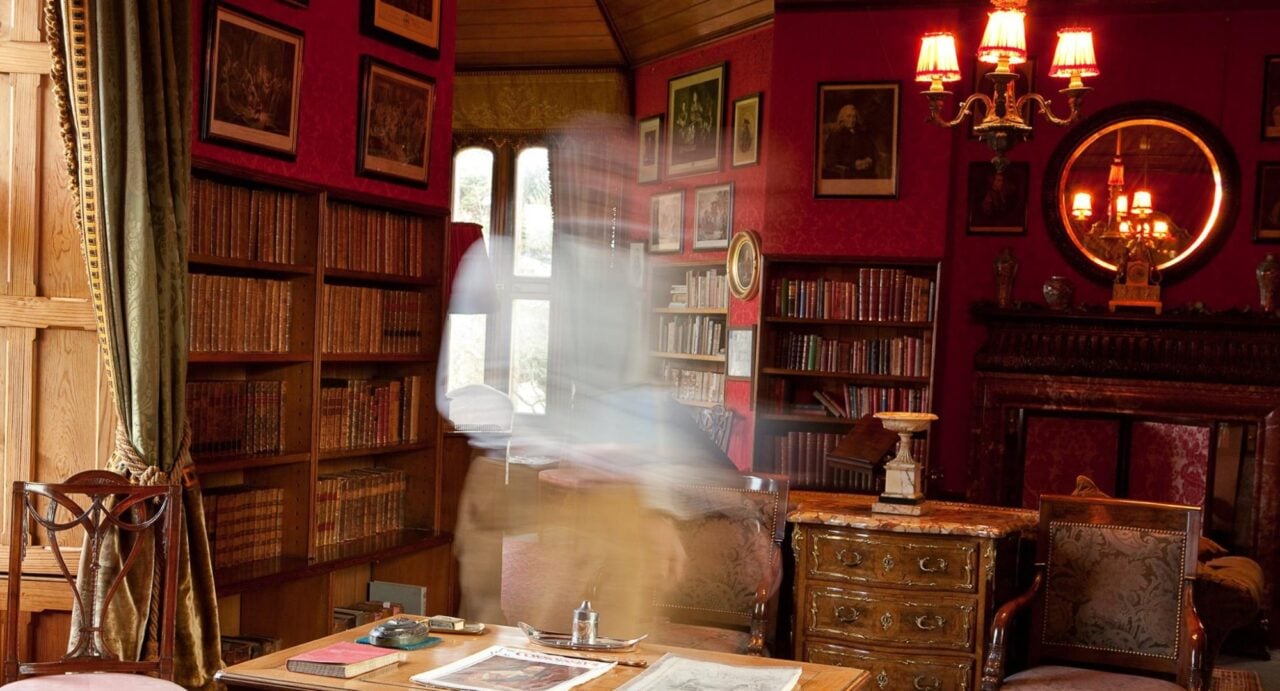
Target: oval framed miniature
pixel 743 265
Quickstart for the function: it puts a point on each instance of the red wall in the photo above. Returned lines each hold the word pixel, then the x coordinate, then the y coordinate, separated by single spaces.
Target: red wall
pixel 330 99
pixel 748 72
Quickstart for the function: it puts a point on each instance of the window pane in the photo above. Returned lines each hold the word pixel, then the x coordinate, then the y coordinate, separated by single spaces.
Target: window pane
pixel 473 188
pixel 533 214
pixel 530 322
pixel 466 349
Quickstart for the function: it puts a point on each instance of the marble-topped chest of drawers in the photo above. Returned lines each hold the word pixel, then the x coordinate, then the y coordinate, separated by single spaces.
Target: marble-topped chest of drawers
pixel 907 597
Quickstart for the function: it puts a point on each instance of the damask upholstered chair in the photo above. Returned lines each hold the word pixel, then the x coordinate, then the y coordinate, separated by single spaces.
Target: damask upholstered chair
pixel 50 518
pixel 1111 601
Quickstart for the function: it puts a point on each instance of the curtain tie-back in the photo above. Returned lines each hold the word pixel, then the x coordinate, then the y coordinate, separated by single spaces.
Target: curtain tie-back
pixel 126 460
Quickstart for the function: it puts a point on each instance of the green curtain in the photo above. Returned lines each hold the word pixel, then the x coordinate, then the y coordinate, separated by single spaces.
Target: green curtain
pixel 122 71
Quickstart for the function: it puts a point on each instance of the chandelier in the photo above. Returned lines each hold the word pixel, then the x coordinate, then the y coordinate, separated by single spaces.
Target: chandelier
pixel 1005 115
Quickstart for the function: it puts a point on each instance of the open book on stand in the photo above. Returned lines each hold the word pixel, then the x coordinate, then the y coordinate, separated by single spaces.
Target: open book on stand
pixel 499 668
pixel 687 674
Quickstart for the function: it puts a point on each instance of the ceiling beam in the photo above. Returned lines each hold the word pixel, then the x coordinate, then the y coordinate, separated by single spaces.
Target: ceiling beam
pixel 613 30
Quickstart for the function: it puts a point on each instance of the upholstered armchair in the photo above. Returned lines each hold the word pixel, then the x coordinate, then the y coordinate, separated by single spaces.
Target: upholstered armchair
pixel 1111 601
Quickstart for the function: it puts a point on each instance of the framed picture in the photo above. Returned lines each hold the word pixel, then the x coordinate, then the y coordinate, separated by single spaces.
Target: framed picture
pixel 413 24
pixel 746 131
pixel 666 222
pixel 857 142
pixel 1266 216
pixel 743 264
pixel 394 138
pixel 998 201
pixel 1271 98
pixel 1026 82
pixel 713 216
pixel 297 3
pixel 740 352
pixel 649 143
pixel 695 121
pixel 635 264
pixel 252 78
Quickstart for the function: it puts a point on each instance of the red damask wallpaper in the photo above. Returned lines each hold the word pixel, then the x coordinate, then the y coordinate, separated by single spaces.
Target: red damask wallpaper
pixel 1169 463
pixel 1060 448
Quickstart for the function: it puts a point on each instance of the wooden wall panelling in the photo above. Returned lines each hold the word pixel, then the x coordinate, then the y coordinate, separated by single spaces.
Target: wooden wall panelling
pixel 287 610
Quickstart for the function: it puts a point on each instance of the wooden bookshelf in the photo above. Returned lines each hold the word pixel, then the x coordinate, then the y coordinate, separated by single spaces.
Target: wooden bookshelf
pixel 303 298
pixel 688 325
pixel 839 338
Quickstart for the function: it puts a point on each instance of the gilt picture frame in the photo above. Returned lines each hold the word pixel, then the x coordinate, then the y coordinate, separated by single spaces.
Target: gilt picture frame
pixel 252 82
pixel 746 131
pixel 411 24
pixel 695 121
pixel 998 201
pixel 1271 98
pixel 666 222
pixel 742 265
pixel 1266 213
pixel 649 149
pixel 396 114
pixel 857 139
pixel 712 216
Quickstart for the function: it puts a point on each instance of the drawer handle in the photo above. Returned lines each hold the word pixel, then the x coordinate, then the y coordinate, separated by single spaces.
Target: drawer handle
pixel 887 562
pixel 849 558
pixel 886 621
pixel 882 679
pixel 941 564
pixel 848 615
pixel 923 683
pixel 927 622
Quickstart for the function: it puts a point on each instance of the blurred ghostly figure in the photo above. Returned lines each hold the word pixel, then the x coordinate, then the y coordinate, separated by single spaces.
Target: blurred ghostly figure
pixel 603 528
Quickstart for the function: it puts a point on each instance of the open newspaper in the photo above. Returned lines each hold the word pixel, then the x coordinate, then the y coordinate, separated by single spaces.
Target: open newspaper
pixel 499 668
pixel 685 674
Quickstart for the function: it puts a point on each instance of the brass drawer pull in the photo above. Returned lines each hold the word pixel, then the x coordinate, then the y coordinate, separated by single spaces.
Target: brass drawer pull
pixel 923 683
pixel 886 621
pixel 923 622
pixel 882 679
pixel 848 615
pixel 849 558
pixel 887 562
pixel 925 561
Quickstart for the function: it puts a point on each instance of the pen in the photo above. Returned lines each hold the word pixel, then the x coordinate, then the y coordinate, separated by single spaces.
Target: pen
pixel 595 658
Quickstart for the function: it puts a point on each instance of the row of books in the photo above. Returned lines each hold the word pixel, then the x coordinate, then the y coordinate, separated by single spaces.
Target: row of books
pixel 690 334
pixel 854 401
pixel 235 417
pixel 241 315
pixel 361 413
pixel 363 613
pixel 371 320
pixel 242 222
pixel 694 385
pixel 899 356
pixel 877 295
pixel 245 647
pixel 702 290
pixel 244 523
pixel 358 503
pixel 373 240
pixel 802 457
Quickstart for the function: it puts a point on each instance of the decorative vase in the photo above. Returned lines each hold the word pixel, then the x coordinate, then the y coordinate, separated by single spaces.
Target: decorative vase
pixel 1058 292
pixel 1268 280
pixel 1006 267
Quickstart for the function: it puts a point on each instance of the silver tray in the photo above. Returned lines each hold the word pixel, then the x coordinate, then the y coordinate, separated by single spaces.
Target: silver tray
pixel 565 642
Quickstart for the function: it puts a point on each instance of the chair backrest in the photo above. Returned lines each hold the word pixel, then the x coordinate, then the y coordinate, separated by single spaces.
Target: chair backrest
pixel 106 509
pixel 732 536
pixel 1117 585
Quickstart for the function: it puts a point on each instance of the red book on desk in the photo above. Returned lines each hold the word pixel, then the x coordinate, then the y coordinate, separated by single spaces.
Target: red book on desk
pixel 342 660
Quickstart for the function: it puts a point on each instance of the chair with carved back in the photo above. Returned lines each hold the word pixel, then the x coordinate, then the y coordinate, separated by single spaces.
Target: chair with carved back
pixel 1111 600
pixel 95 503
pixel 732 532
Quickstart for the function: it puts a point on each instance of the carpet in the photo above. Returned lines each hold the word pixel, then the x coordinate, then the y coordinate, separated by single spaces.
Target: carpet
pixel 1235 680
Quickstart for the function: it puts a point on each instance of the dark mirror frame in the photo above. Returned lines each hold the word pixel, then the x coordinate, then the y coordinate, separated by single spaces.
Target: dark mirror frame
pixel 1053 205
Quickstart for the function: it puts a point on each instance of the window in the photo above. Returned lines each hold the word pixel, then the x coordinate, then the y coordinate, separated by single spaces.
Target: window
pixel 508 192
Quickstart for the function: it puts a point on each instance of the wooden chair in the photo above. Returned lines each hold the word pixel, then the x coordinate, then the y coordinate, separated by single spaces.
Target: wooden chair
pixel 95 502
pixel 732 535
pixel 1112 600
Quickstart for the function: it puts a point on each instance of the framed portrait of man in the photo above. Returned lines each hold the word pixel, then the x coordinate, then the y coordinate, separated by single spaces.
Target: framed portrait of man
pixel 695 121
pixel 998 200
pixel 746 131
pixel 666 222
pixel 648 141
pixel 1266 217
pixel 1271 98
pixel 857 140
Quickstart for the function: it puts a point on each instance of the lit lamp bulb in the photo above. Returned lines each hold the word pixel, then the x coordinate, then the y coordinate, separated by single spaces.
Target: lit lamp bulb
pixel 937 62
pixel 1160 230
pixel 1124 228
pixel 1004 42
pixel 1074 57
pixel 1081 206
pixel 1122 205
pixel 1142 203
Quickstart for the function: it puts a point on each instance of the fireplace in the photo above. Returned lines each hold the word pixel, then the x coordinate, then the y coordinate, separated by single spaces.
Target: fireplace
pixel 1123 397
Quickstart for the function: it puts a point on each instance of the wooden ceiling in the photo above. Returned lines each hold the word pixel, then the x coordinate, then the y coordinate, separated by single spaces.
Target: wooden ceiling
pixel 506 34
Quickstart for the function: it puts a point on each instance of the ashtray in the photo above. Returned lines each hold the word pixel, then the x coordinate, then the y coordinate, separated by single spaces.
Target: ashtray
pixel 565 641
pixel 399 633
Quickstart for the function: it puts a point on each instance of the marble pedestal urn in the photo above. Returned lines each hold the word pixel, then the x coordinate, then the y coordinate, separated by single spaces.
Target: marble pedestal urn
pixel 902 475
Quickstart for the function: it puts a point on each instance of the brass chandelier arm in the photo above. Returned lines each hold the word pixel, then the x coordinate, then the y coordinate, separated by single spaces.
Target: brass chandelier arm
pixel 935 107
pixel 1073 104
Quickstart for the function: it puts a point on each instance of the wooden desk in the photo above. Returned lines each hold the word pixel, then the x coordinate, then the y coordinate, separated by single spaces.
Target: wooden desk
pixel 268 671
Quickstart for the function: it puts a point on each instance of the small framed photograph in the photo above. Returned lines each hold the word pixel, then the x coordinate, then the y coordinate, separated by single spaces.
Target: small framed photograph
pixel 394 138
pixel 713 216
pixel 857 142
pixel 743 264
pixel 1266 216
pixel 695 121
pixel 252 79
pixel 1026 82
pixel 666 222
pixel 1271 98
pixel 412 24
pixel 635 264
pixel 998 201
pixel 740 352
pixel 746 131
pixel 649 143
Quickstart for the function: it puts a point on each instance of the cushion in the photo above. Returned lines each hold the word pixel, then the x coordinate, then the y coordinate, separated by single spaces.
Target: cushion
pixel 1086 487
pixel 107 681
pixel 1054 678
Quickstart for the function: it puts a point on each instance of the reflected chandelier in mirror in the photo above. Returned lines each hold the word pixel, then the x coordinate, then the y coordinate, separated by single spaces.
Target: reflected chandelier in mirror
pixel 1144 182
